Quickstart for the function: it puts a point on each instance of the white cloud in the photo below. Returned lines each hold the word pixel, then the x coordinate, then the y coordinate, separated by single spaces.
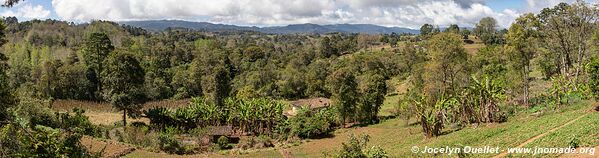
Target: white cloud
pixel 27 11
pixel 537 5
pixel 404 13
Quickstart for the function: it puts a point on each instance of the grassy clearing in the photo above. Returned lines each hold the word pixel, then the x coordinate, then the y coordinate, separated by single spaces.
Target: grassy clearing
pixel 389 105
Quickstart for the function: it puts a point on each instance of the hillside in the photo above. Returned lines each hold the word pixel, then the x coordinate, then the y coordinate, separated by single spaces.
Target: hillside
pixel 159 25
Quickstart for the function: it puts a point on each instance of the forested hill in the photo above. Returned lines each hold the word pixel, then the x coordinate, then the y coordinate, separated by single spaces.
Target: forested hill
pixel 159 25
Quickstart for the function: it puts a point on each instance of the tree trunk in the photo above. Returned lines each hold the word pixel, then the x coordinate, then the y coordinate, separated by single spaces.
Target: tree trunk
pixel 124 118
pixel 526 85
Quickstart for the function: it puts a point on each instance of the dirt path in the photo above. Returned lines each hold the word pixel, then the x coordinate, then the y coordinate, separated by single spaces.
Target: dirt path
pixel 504 153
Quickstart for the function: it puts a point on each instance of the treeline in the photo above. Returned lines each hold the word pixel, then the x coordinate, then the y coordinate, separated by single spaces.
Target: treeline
pixel 64 61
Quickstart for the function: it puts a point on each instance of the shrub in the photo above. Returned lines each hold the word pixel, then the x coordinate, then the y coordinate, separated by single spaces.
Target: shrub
pixel 309 124
pixel 140 136
pixel 357 147
pixel 574 142
pixel 20 141
pixel 80 121
pixel 223 142
pixel 255 143
pixel 169 144
pixel 376 152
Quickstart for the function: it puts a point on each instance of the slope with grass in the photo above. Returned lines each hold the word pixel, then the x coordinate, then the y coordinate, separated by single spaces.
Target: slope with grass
pixel 397 139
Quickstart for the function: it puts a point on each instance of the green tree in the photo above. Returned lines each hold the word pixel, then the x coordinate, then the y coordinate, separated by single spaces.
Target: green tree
pixel 453 28
pixel 6 98
pixel 343 87
pixel 72 82
pixel 593 71
pixel 465 33
pixel 522 45
pixel 486 31
pixel 566 30
pixel 95 50
pixel 373 89
pixel 316 77
pixel 326 47
pixel 426 29
pixel 447 69
pixel 123 79
pixel 443 76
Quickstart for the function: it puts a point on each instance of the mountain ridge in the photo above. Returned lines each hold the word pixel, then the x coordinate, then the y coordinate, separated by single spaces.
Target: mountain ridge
pixel 159 25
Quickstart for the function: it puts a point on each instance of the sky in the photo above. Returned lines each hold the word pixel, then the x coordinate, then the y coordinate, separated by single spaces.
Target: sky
pixel 399 13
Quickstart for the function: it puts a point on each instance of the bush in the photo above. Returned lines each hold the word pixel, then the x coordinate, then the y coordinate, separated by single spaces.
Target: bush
pixel 223 142
pixel 574 142
pixel 79 121
pixel 376 152
pixel 20 141
pixel 169 142
pixel 140 136
pixel 356 147
pixel 255 143
pixel 309 124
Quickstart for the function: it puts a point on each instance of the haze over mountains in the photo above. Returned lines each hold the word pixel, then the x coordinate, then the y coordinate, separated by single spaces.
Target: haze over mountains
pixel 158 25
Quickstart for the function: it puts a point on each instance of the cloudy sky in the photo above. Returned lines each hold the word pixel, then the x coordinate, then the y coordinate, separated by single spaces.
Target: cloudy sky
pixel 402 13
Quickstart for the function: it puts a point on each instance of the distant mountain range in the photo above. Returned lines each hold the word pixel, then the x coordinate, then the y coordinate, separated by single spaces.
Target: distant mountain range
pixel 159 25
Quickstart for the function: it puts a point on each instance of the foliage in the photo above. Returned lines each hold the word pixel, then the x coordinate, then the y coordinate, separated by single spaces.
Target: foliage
pixel 357 147
pixel 18 140
pixel 255 143
pixel 123 80
pixel 97 48
pixel 168 143
pixel 593 71
pixel 426 29
pixel 342 85
pixel 372 94
pixel 522 45
pixel 309 124
pixel 223 142
pixel 485 29
pixel 481 101
pixel 256 116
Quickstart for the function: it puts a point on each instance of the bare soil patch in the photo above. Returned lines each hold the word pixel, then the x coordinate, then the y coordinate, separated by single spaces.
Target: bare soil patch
pixel 108 148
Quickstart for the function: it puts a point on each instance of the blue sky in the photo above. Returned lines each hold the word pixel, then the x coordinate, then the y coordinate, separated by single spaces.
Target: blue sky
pixel 402 13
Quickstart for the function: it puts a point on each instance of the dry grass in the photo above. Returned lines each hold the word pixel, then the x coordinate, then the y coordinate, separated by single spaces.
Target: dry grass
pixel 90 106
pixel 110 118
pixel 103 113
pixel 108 148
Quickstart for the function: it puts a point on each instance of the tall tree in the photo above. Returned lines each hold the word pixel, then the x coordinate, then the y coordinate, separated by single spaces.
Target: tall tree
pixel 373 89
pixel 453 28
pixel 426 29
pixel 343 87
pixel 522 45
pixel 6 98
pixel 123 79
pixel 446 68
pixel 567 29
pixel 486 31
pixel 95 50
pixel 585 22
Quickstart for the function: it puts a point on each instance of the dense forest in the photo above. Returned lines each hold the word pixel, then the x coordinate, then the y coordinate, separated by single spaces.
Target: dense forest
pixel 241 79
